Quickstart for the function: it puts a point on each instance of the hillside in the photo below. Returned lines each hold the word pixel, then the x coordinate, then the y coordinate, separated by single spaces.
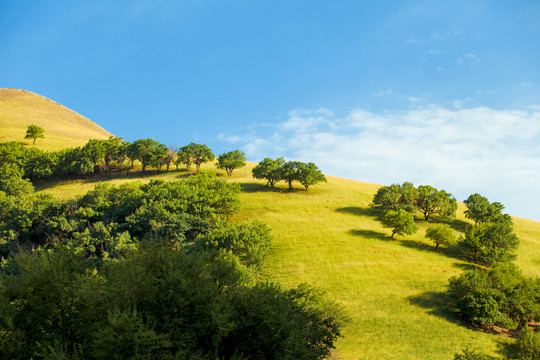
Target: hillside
pixel 63 127
pixel 393 290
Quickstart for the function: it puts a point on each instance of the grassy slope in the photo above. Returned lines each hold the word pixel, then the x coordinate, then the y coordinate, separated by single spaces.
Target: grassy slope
pixel 63 127
pixel 393 290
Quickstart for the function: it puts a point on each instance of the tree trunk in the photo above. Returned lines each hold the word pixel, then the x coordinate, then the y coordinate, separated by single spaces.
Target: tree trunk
pixel 436 246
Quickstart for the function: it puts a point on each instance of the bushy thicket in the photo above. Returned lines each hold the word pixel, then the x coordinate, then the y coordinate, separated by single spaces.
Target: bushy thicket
pixel 109 219
pixel 499 296
pixel 153 270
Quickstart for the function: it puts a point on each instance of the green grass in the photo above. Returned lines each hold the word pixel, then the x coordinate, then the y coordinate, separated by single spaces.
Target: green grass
pixel 392 290
pixel 63 127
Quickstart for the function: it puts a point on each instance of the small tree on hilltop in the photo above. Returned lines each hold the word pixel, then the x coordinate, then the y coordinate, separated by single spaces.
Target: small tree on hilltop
pixel 231 160
pixel 309 174
pixel 34 132
pixel 440 234
pixel 268 169
pixel 401 222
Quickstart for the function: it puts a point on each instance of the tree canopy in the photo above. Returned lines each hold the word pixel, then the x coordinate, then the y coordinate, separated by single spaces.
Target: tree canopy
pixel 395 197
pixel 231 160
pixel 34 132
pixel 432 201
pixel 268 169
pixel 401 222
pixel 440 234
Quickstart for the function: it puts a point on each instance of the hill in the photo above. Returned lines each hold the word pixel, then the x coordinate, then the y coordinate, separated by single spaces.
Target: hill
pixel 393 290
pixel 63 127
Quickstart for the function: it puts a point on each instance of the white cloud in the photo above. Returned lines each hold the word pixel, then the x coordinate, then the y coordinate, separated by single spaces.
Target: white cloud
pixel 463 150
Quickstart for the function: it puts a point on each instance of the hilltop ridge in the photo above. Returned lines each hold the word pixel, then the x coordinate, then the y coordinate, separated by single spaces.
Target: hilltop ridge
pixel 63 127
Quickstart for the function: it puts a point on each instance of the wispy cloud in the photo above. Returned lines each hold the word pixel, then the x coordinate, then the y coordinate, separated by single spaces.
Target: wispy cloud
pixel 464 150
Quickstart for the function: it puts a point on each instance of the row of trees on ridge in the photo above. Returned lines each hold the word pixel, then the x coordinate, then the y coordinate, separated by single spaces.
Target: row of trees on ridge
pixel 19 165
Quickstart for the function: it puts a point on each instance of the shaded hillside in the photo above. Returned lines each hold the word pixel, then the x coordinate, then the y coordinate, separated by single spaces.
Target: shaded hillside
pixel 63 127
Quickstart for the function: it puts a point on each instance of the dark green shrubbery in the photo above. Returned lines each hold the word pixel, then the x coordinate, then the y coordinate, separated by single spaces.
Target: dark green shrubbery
pixel 142 271
pixel 501 296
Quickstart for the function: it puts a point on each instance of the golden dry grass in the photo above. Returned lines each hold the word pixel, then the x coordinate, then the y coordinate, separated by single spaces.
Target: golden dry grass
pixel 63 127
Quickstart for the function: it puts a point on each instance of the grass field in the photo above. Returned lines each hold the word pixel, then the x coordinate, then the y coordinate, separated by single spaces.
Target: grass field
pixel 63 127
pixel 392 290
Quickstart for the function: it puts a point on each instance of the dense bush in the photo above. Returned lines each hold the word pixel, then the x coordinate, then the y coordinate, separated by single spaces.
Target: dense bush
pixel 501 296
pixel 109 220
pixel 157 303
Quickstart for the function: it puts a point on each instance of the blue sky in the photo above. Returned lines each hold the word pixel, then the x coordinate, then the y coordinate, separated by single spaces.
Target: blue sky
pixel 435 92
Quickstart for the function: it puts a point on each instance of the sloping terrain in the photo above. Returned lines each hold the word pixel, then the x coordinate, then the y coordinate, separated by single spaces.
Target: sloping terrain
pixel 392 289
pixel 63 127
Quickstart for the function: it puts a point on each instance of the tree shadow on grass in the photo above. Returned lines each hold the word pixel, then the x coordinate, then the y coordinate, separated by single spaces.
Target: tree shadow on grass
pixel 446 250
pixel 370 234
pixel 107 176
pixel 456 224
pixel 437 304
pixel 356 210
pixel 250 187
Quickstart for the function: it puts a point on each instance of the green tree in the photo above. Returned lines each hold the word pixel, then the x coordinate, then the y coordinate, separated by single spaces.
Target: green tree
pixel 290 172
pixel 480 210
pixel 126 335
pixel 268 169
pixel 309 174
pixel 186 154
pixel 492 241
pixel 395 197
pixel 401 222
pixel 432 201
pixel 56 297
pixel 148 151
pixel 170 157
pixel 250 241
pixel 34 132
pixel 441 234
pixel 231 160
pixel 94 152
pixel 41 164
pixel 201 154
pixel 113 151
pixel 11 181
